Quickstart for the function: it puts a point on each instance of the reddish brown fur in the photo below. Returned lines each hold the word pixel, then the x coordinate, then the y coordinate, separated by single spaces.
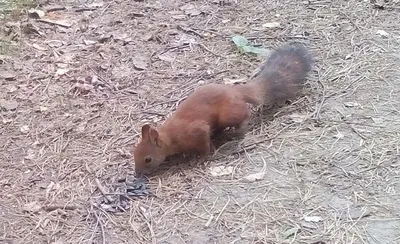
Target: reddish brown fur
pixel 218 106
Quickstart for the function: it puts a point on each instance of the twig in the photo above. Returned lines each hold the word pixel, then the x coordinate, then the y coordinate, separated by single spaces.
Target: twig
pixel 50 208
pixel 209 221
pixel 351 21
pixel 211 31
pixel 358 133
pixel 189 30
pixel 52 22
pixel 55 8
pixel 84 9
pixel 100 223
pixel 208 50
pixel 102 190
pixel 223 209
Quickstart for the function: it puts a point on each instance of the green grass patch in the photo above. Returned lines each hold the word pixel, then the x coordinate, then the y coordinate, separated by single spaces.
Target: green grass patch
pixel 11 10
pixel 7 46
pixel 10 7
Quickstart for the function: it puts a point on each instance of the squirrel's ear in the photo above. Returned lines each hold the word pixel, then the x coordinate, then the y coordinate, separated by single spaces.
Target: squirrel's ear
pixel 154 137
pixel 145 131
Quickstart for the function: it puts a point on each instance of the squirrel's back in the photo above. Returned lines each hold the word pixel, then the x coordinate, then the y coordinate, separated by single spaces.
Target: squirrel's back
pixel 281 76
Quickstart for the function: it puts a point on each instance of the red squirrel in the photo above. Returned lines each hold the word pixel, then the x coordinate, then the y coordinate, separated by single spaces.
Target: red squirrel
pixel 214 107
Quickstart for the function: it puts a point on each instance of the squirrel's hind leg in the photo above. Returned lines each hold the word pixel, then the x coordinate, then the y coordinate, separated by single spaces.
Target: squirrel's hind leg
pixel 200 132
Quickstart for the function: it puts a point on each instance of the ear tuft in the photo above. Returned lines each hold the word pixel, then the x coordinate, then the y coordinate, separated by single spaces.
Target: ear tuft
pixel 154 136
pixel 145 131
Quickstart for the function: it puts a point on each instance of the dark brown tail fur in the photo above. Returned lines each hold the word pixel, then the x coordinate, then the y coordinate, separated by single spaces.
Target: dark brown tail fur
pixel 281 77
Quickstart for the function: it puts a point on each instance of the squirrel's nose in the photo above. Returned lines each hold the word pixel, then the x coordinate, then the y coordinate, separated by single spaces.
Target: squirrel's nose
pixel 139 172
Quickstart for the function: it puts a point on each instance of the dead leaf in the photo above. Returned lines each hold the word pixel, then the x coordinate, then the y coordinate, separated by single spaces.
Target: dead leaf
pixel 24 129
pixel 81 127
pixel 193 12
pixel 95 80
pixel 9 104
pixel 257 176
pixel 221 170
pixel 120 37
pixel 12 89
pixel 147 37
pixel 254 177
pixel 84 87
pixel 38 47
pixel 185 39
pixel 355 214
pixel 339 135
pixel 378 120
pixel 32 207
pixel 43 109
pixel 271 25
pixel 166 57
pixel 351 104
pixel 235 81
pixel 179 17
pixel 121 71
pixel 136 14
pixel 62 65
pixel 139 64
pixel 104 38
pixel 298 118
pixel 290 232
pixel 382 33
pixel 36 13
pixel 7 121
pixel 54 43
pixel 96 5
pixel 315 219
pixel 58 242
pixel 30 154
pixel 348 56
pixel 61 71
pixel 7 75
pixel 190 10
pixel 379 4
pixel 89 42
pixel 49 188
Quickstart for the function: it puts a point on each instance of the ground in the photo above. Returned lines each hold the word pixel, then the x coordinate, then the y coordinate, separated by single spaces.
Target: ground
pixel 75 94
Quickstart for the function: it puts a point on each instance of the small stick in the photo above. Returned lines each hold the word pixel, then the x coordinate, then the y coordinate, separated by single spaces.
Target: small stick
pixel 66 25
pixel 100 223
pixel 208 50
pixel 223 209
pixel 209 221
pixel 50 208
pixel 102 190
pixel 84 9
pixel 55 8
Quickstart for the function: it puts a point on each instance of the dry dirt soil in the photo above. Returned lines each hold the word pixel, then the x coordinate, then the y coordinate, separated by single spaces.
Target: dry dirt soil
pixel 84 78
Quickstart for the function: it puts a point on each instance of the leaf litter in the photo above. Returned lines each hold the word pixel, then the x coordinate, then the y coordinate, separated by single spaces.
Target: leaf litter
pixel 245 46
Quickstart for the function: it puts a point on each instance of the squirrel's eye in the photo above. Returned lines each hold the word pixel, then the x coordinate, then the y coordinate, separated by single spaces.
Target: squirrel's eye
pixel 147 160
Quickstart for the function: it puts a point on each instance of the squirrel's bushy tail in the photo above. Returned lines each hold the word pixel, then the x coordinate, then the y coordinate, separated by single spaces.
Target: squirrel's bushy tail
pixel 281 77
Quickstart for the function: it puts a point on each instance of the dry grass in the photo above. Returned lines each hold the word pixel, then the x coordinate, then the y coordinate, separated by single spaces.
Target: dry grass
pixel 332 154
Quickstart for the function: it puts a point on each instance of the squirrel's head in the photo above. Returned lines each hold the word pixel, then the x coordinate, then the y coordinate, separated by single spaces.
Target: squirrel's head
pixel 148 154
